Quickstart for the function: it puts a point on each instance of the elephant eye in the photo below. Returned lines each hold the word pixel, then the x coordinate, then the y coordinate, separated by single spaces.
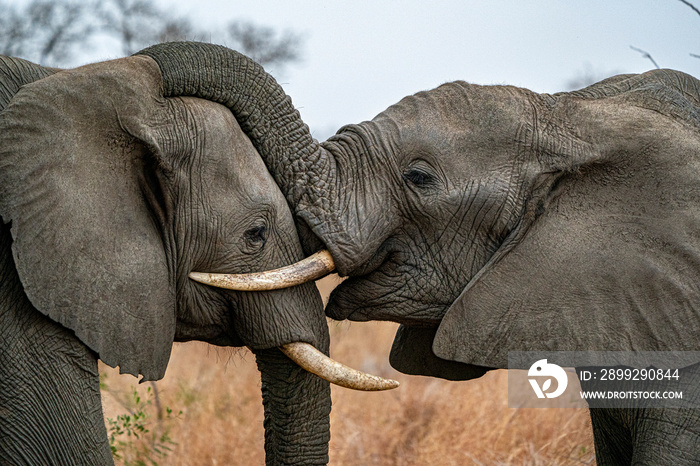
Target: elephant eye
pixel 419 177
pixel 256 236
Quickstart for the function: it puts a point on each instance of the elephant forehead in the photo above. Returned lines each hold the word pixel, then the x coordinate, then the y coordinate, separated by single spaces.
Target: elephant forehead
pixel 225 158
pixel 458 106
pixel 465 129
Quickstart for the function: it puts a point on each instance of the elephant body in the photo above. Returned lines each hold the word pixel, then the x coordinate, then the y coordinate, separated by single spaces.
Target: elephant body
pixel 571 223
pixel 111 194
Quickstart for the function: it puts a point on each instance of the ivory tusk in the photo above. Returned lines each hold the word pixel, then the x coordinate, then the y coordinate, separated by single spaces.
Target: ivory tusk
pixel 313 267
pixel 314 361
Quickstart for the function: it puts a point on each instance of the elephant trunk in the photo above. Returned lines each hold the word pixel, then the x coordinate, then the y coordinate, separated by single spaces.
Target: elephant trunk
pixel 297 406
pixel 303 170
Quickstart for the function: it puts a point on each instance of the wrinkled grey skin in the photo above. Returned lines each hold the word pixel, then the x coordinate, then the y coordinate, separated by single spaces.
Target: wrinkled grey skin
pixel 110 194
pixel 492 219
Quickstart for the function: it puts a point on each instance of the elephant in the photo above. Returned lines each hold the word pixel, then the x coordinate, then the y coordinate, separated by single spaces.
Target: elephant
pixel 112 195
pixel 491 219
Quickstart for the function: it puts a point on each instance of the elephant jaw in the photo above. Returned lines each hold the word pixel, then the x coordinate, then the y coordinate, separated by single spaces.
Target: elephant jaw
pixel 303 354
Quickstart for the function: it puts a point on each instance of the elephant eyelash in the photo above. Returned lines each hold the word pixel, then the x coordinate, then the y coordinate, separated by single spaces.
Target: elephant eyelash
pixel 256 235
pixel 419 178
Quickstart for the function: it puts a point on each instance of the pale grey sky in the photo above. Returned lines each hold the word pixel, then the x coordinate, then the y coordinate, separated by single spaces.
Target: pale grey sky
pixel 361 56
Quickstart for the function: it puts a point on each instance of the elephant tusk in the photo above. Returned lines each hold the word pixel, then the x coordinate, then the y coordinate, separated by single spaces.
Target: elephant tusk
pixel 314 361
pixel 313 267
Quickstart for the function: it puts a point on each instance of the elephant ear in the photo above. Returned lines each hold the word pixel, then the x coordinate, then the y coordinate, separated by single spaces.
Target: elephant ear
pixel 76 169
pixel 609 259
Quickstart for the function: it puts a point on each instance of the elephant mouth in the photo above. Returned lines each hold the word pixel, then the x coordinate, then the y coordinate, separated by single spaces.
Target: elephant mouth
pixel 339 308
pixel 384 254
pixel 366 292
pixel 303 354
pixel 342 304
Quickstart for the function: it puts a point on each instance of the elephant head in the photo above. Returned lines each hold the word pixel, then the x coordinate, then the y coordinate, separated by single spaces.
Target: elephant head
pixel 116 193
pixel 487 219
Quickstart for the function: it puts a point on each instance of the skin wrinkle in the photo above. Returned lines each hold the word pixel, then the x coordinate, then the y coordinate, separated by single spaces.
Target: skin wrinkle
pixel 457 235
pixel 423 293
pixel 473 190
pixel 459 239
pixel 478 217
pixel 293 404
pixel 340 172
pixel 496 232
pixel 516 190
pixel 192 165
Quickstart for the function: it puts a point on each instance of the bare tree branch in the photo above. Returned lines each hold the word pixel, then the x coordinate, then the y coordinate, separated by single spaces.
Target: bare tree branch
pixel 264 45
pixel 696 10
pixel 177 29
pixel 45 30
pixel 136 23
pixel 691 6
pixel 51 30
pixel 60 27
pixel 15 32
pixel 646 54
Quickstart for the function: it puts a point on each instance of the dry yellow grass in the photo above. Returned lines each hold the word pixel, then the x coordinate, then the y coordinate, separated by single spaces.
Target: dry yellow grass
pixel 424 422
